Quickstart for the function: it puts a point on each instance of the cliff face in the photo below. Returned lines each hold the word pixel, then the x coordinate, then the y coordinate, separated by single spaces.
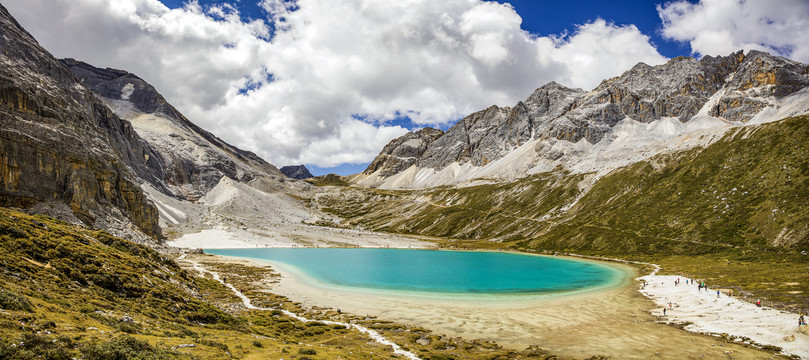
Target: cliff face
pixel 191 160
pixel 59 144
pixel 731 90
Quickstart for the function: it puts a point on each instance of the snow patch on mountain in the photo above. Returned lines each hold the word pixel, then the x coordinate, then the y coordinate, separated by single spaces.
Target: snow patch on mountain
pixel 127 91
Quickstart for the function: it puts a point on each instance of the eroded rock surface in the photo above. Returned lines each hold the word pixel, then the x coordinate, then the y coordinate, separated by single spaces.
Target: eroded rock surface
pixel 60 144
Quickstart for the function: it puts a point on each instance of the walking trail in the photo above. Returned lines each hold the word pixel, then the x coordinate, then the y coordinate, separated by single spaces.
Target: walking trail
pixel 373 334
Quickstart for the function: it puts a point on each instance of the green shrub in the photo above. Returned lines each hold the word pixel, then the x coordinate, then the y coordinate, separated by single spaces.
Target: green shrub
pixel 213 344
pixel 13 231
pixel 10 300
pixel 207 314
pixel 33 346
pixel 128 348
pixel 128 328
pixel 304 351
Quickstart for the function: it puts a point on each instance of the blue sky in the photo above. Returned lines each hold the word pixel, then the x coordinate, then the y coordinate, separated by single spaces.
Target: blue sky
pixel 542 17
pixel 558 16
pixel 328 83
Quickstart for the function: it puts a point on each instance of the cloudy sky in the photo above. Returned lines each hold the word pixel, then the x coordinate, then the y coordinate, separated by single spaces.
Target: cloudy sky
pixel 328 83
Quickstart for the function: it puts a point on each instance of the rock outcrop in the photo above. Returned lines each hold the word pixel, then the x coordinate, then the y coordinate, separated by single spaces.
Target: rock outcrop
pixel 730 89
pixel 403 152
pixel 191 161
pixel 61 145
pixel 298 172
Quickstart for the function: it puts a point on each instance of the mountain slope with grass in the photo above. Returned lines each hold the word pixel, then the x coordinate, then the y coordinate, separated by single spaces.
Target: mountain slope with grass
pixel 747 190
pixel 86 292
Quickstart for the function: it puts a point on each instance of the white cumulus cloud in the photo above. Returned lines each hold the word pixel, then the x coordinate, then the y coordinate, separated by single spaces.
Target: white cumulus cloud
pixel 319 81
pixel 720 27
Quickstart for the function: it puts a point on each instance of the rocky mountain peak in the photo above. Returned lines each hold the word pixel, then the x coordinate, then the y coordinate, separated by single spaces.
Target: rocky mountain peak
pixel 119 84
pixel 403 151
pixel 722 89
pixel 193 159
pixel 551 101
pixel 299 172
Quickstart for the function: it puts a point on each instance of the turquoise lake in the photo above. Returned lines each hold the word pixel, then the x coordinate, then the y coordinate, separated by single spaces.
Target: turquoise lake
pixel 434 271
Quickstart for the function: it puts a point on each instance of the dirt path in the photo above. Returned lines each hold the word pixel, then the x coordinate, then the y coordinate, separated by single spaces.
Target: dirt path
pixel 373 334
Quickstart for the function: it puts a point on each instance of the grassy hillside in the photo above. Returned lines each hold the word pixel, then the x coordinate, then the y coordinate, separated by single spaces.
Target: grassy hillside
pixel 327 180
pixel 741 201
pixel 67 292
pixel 747 191
pixel 500 212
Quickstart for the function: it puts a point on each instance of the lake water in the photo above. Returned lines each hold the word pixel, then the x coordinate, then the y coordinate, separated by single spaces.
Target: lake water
pixel 434 271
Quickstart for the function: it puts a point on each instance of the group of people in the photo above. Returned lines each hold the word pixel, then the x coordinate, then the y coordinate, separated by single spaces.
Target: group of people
pixel 701 285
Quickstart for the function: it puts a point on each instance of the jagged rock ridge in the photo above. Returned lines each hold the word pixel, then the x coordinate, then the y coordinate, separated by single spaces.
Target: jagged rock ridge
pixel 299 172
pixel 403 152
pixel 730 89
pixel 193 159
pixel 62 147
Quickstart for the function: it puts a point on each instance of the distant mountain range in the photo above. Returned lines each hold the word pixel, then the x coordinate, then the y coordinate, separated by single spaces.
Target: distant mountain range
pixel 645 111
pixel 299 172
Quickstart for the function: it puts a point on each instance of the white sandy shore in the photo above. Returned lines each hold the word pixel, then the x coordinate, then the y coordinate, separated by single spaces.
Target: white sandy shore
pixel 293 235
pixel 725 314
